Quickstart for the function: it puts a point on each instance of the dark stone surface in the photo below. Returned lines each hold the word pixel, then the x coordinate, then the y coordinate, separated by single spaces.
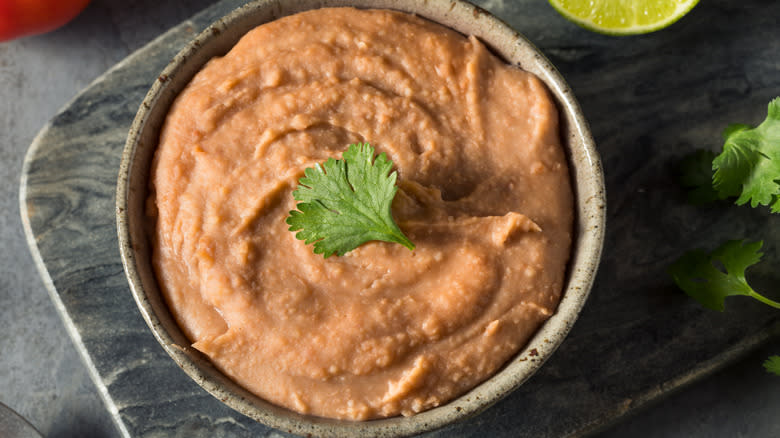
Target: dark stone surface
pixel 649 100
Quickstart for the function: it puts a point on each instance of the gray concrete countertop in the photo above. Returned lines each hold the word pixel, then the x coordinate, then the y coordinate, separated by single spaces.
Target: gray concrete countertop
pixel 42 376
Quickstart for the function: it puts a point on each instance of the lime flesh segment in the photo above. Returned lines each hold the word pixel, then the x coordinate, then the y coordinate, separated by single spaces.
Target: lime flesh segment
pixel 623 17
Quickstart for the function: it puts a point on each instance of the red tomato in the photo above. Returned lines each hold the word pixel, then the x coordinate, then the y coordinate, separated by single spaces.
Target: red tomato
pixel 28 17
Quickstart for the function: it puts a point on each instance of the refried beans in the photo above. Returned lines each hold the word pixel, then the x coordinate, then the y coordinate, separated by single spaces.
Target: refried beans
pixel 484 193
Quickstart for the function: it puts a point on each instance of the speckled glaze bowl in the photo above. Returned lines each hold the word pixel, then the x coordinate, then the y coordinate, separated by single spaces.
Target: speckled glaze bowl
pixel 216 40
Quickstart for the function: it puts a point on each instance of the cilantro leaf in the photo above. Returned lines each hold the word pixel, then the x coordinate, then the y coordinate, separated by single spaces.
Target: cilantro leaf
pixel 772 364
pixel 696 176
pixel 749 166
pixel 345 203
pixel 698 274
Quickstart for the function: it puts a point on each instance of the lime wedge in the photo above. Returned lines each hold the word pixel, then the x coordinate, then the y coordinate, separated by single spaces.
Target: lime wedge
pixel 623 17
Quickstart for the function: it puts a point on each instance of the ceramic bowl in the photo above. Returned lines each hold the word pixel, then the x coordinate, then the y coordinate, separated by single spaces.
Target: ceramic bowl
pixel 216 40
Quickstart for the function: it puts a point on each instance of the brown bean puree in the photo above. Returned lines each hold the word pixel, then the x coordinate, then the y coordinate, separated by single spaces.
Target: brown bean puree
pixel 484 194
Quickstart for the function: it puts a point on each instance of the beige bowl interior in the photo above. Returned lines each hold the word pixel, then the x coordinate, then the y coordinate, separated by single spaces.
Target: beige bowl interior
pixel 216 40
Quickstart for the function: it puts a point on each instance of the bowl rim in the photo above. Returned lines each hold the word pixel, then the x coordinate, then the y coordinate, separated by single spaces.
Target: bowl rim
pixel 588 238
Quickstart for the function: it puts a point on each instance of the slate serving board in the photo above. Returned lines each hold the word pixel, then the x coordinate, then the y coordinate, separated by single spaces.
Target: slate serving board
pixel 649 99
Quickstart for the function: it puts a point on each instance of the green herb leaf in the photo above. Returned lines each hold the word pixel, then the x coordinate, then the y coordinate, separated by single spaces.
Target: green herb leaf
pixel 699 274
pixel 772 365
pixel 696 176
pixel 345 203
pixel 749 166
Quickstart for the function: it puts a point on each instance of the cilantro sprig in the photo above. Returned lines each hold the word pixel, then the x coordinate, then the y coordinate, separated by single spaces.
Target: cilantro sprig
pixel 772 365
pixel 712 277
pixel 748 168
pixel 345 203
